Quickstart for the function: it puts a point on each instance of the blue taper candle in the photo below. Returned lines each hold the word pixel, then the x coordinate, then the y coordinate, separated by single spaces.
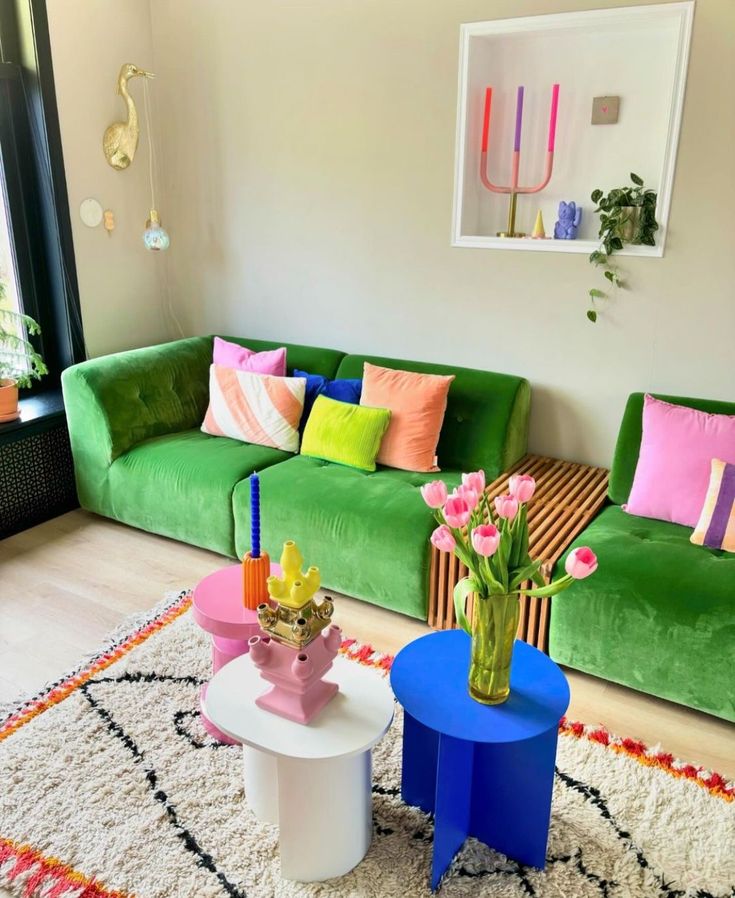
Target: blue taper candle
pixel 254 515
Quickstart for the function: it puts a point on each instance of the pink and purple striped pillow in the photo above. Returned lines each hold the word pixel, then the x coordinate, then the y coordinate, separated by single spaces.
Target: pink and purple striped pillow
pixel 255 408
pixel 716 525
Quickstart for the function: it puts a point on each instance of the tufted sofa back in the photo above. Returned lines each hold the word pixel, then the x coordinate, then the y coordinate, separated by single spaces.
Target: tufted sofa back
pixel 486 423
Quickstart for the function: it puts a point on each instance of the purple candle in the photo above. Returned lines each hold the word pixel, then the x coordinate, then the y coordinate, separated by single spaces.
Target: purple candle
pixel 254 515
pixel 519 119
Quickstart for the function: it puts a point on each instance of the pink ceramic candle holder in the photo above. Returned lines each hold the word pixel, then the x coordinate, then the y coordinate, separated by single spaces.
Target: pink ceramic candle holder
pixel 299 693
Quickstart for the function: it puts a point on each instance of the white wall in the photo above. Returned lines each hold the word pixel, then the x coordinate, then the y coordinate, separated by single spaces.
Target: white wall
pixel 119 281
pixel 308 167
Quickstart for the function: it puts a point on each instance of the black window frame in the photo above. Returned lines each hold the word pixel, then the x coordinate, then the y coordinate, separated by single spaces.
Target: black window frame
pixel 36 194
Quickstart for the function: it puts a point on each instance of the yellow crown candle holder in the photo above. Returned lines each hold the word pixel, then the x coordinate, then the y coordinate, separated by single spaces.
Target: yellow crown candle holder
pixel 292 616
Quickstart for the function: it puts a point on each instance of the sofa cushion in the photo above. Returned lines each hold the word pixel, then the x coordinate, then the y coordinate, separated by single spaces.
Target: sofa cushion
pixel 677 447
pixel 181 484
pixel 233 355
pixel 255 408
pixel 313 359
pixel 716 525
pixel 628 444
pixel 318 385
pixel 345 433
pixel 486 421
pixel 417 403
pixel 367 533
pixel 658 615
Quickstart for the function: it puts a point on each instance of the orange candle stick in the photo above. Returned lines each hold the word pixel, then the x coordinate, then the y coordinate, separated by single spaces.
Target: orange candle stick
pixel 255 573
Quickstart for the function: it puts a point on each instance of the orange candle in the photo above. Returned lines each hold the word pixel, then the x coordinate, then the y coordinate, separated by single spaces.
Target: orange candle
pixel 255 573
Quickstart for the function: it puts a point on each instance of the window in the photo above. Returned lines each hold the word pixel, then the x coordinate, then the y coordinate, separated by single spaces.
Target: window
pixel 9 292
pixel 37 270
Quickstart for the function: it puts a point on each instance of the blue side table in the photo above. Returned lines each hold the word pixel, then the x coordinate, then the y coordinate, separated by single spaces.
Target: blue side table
pixel 482 770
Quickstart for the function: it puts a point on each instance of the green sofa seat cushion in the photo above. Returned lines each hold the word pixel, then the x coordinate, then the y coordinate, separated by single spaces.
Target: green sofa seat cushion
pixel 658 615
pixel 181 484
pixel 366 532
pixel 486 422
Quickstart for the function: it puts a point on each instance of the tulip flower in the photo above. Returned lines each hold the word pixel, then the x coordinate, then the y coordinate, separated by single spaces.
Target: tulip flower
pixel 475 481
pixel 485 539
pixel 581 562
pixel 506 506
pixel 442 538
pixel 472 497
pixel 457 511
pixel 521 486
pixel 434 493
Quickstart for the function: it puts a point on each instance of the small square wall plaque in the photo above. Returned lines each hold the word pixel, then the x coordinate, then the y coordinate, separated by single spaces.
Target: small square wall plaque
pixel 605 110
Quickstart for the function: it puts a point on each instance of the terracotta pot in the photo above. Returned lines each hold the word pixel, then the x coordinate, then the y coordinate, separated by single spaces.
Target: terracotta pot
pixel 9 409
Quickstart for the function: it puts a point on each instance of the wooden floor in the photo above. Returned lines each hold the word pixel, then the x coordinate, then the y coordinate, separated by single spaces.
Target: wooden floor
pixel 66 583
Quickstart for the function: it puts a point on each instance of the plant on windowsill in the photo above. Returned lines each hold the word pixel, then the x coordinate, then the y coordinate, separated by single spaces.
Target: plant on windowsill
pixel 19 361
pixel 627 216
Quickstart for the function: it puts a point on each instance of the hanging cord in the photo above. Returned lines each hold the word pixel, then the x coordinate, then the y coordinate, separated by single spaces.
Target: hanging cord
pixel 169 307
pixel 151 157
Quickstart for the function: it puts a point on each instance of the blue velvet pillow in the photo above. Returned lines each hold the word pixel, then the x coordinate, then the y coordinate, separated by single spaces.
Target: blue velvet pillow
pixel 316 385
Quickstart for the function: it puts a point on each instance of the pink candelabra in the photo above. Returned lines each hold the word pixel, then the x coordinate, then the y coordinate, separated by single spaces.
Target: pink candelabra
pixel 513 188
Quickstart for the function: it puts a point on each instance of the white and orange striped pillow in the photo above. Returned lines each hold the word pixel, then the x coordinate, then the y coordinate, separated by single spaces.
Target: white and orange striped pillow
pixel 255 408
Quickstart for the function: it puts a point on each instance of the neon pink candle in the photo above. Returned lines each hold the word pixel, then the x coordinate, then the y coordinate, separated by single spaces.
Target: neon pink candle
pixel 552 119
pixel 519 119
pixel 486 119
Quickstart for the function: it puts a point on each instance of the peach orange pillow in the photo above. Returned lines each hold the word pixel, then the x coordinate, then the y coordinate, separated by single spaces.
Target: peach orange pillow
pixel 417 404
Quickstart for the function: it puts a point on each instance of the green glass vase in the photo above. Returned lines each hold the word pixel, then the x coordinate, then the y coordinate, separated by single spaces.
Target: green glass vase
pixel 494 626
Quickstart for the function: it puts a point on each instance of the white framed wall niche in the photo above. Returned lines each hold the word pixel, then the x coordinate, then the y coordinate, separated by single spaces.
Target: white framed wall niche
pixel 638 54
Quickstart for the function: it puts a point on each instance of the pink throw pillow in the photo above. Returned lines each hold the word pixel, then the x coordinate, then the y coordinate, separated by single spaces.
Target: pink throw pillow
pixel 673 471
pixel 232 355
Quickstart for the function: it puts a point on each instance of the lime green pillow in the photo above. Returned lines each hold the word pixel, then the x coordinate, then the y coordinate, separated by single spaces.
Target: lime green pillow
pixel 345 433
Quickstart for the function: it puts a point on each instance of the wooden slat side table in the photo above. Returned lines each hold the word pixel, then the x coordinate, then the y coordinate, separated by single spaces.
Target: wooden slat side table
pixel 568 496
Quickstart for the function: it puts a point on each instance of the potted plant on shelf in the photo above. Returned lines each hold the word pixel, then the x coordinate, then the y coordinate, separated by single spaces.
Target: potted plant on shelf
pixel 627 216
pixel 492 542
pixel 19 361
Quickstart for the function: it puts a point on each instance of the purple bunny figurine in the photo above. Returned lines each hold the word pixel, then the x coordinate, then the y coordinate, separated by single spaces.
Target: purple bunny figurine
pixel 569 219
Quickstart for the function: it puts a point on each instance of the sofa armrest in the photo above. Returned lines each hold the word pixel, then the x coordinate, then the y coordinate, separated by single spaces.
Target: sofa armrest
pixel 117 401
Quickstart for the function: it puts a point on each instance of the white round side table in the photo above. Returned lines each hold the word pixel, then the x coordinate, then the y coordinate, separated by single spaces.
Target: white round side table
pixel 314 781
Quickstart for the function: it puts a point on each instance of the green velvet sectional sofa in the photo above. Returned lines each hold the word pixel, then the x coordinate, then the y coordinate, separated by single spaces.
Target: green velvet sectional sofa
pixel 141 458
pixel 659 613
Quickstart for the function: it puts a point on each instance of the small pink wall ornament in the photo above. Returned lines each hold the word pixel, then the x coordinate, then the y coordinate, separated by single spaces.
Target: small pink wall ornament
pixel 514 188
pixel 298 644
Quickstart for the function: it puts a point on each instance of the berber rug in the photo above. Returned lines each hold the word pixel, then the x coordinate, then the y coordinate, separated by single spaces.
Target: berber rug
pixel 110 788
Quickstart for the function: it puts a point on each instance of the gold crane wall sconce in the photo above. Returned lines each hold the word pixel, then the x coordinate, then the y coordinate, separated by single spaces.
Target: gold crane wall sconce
pixel 120 140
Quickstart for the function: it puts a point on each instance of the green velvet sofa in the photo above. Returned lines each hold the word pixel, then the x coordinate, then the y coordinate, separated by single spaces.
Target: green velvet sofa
pixel 659 613
pixel 141 458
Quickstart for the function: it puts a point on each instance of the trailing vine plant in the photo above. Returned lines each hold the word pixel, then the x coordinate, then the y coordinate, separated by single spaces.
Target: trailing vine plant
pixel 627 216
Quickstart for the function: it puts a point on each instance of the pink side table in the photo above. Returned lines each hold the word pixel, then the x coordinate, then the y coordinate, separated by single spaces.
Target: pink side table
pixel 218 608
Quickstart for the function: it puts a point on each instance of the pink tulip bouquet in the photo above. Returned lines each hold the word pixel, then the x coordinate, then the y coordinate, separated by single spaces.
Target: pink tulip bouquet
pixel 491 540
